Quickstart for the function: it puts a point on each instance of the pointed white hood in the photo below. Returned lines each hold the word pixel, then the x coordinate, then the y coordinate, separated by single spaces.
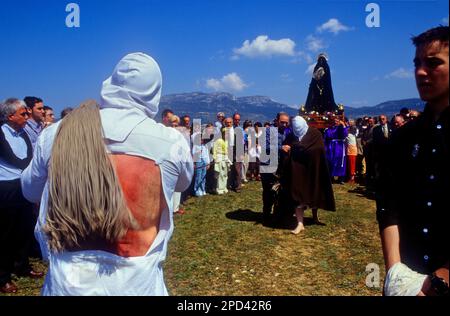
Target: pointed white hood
pixel 130 95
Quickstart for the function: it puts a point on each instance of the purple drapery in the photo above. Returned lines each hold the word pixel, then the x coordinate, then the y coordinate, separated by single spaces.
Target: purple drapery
pixel 335 150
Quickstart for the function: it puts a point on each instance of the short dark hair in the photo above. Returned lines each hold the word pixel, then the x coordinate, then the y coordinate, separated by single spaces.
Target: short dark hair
pixel 66 111
pixel 404 111
pixel 247 123
pixel 31 101
pixel 184 116
pixel 165 112
pixel 439 33
pixel 47 108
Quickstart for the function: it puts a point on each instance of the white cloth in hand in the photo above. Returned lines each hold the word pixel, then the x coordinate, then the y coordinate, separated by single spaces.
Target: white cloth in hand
pixel 402 281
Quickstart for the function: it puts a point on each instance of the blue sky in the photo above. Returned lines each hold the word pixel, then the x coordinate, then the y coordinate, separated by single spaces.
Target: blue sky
pixel 244 47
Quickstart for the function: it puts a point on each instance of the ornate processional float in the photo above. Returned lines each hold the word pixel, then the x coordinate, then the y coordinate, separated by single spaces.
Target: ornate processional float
pixel 320 109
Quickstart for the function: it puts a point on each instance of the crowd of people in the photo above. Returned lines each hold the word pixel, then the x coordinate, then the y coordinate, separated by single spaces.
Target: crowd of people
pixel 99 187
pixel 22 121
pixel 355 151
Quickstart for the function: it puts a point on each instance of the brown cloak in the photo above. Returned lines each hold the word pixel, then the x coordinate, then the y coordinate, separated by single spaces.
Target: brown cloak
pixel 309 179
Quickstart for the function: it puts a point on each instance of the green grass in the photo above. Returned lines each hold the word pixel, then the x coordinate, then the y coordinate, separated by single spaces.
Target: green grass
pixel 220 248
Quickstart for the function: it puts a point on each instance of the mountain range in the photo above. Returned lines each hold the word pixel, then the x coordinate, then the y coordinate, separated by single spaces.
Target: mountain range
pixel 261 108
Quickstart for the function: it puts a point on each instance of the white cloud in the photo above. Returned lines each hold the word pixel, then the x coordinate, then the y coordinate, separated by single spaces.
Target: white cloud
pixel 400 73
pixel 262 46
pixel 214 84
pixel 230 82
pixel 333 26
pixel 234 82
pixel 310 69
pixel 314 44
pixel 445 21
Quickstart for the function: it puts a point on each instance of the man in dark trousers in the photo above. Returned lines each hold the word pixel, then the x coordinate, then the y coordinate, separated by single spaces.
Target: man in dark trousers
pixel 237 142
pixel 269 179
pixel 380 136
pixel 414 213
pixel 16 231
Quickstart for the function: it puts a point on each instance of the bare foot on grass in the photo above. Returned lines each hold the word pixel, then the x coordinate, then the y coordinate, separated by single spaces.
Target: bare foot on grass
pixel 298 230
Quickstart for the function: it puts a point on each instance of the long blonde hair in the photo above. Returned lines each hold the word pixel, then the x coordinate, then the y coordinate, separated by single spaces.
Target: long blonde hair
pixel 86 203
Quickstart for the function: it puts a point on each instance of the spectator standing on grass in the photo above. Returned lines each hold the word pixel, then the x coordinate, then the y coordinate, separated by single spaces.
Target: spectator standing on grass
pixel 174 122
pixel 245 165
pixel 360 160
pixel 367 138
pixel 275 203
pixel 236 143
pixel 210 137
pixel 200 155
pixel 254 151
pixel 352 153
pixel 221 162
pixel 16 225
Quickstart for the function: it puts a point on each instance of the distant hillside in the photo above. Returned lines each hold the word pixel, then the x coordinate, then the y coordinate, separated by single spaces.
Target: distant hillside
pixel 260 108
pixel 206 105
pixel 389 108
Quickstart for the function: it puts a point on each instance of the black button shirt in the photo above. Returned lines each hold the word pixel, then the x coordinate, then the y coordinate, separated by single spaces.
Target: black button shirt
pixel 416 191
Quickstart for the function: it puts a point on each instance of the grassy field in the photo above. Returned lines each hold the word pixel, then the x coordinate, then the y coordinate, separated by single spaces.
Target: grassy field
pixel 219 247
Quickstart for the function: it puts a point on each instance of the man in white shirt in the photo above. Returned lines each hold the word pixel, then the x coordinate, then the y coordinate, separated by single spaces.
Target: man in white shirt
pixel 133 202
pixel 236 141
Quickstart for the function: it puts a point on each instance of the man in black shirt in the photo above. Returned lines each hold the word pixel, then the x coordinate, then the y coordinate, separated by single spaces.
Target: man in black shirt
pixel 414 212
